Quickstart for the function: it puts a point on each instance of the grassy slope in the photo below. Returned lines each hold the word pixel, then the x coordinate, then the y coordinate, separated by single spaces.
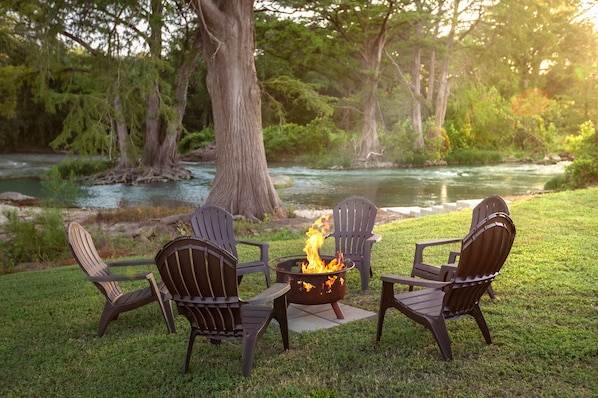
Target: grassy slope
pixel 544 323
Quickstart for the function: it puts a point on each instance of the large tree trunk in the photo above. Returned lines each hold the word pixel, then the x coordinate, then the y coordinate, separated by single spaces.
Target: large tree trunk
pixel 160 157
pixel 242 184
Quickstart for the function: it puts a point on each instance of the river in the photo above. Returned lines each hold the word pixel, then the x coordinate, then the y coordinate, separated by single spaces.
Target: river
pixel 312 188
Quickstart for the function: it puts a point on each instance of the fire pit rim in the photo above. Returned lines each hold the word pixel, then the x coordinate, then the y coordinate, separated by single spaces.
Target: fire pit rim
pixel 283 259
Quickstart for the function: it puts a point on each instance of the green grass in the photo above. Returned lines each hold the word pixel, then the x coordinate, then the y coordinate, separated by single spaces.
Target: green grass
pixel 544 324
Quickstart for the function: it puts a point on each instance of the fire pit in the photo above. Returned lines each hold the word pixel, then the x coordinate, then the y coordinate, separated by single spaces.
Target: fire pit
pixel 312 288
pixel 314 279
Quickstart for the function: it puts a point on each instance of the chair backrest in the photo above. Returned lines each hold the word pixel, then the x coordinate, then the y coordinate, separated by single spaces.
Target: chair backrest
pixel 483 253
pixel 214 224
pixel 202 279
pixel 86 255
pixel 491 204
pixel 354 220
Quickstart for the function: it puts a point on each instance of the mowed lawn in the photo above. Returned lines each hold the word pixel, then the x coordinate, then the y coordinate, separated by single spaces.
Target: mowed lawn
pixel 544 324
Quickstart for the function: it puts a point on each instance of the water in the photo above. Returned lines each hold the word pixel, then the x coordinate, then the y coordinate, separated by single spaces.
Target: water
pixel 312 188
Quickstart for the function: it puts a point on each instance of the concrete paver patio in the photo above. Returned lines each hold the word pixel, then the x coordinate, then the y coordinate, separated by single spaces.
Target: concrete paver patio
pixel 304 318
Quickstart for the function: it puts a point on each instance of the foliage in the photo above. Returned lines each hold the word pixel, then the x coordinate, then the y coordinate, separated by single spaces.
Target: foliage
pixel 80 167
pixel 196 140
pixel 49 324
pixel 584 169
pixel 473 156
pixel 60 191
pixel 286 141
pixel 35 237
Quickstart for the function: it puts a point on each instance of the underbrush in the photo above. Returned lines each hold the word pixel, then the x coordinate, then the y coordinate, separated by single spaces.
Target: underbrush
pixel 140 213
pixel 34 237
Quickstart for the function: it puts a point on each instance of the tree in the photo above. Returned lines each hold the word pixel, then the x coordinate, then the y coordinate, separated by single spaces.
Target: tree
pixel 365 29
pixel 242 184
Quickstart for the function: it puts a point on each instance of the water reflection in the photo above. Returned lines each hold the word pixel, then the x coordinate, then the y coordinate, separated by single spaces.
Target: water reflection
pixel 312 188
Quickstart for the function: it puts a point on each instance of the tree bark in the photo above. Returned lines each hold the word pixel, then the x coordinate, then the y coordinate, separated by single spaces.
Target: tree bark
pixel 160 157
pixel 122 133
pixel 242 184
pixel 416 109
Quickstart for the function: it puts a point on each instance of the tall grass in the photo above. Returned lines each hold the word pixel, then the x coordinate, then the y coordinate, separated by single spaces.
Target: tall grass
pixel 544 324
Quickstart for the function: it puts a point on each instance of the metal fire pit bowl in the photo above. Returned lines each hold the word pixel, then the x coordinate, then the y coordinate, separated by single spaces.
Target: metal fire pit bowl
pixel 312 289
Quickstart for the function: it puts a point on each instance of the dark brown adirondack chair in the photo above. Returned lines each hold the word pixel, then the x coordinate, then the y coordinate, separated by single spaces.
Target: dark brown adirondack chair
pixel 214 224
pixel 203 281
pixel 354 220
pixel 98 272
pixel 491 204
pixel 483 253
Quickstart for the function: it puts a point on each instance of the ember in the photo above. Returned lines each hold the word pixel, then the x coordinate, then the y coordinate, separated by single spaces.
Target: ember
pixel 315 239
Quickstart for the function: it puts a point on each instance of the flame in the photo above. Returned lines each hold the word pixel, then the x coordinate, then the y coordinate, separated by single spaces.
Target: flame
pixel 315 239
pixel 306 285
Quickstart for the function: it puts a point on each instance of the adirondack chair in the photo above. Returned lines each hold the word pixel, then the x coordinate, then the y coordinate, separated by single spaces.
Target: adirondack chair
pixel 214 224
pixel 202 278
pixel 98 272
pixel 483 253
pixel 491 204
pixel 354 220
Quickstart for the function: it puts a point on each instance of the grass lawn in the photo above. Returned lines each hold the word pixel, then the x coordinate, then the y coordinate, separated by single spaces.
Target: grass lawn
pixel 544 324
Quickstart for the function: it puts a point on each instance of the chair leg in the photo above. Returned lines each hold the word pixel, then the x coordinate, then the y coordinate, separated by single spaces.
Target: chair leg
pixel 192 335
pixel 386 295
pixel 249 342
pixel 490 292
pixel 479 317
pixel 280 314
pixel 365 277
pixel 168 316
pixel 438 327
pixel 267 273
pixel 107 316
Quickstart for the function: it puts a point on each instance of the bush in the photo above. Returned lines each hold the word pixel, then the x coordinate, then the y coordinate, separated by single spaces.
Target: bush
pixel 284 142
pixel 584 169
pixel 39 237
pixel 197 140
pixel 80 167
pixel 59 191
pixel 581 173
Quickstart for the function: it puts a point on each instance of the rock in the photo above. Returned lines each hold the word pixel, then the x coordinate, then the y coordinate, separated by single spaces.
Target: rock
pixel 17 198
pixel 282 181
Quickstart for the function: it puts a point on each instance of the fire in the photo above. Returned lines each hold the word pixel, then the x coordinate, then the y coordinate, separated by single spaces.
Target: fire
pixel 315 239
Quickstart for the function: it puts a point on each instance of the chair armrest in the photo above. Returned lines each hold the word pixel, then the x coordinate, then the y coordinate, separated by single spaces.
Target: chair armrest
pixel 257 244
pixel 405 280
pixel 374 238
pixel 447 272
pixel 273 292
pixel 263 246
pixel 452 259
pixel 119 278
pixel 142 261
pixel 418 258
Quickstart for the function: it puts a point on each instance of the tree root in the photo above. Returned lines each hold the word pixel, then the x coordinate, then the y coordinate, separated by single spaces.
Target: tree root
pixel 137 176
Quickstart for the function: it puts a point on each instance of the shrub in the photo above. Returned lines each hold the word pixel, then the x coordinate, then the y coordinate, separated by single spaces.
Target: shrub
pixel 80 167
pixel 581 173
pixel 584 169
pixel 38 237
pixel 60 191
pixel 284 141
pixel 196 140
